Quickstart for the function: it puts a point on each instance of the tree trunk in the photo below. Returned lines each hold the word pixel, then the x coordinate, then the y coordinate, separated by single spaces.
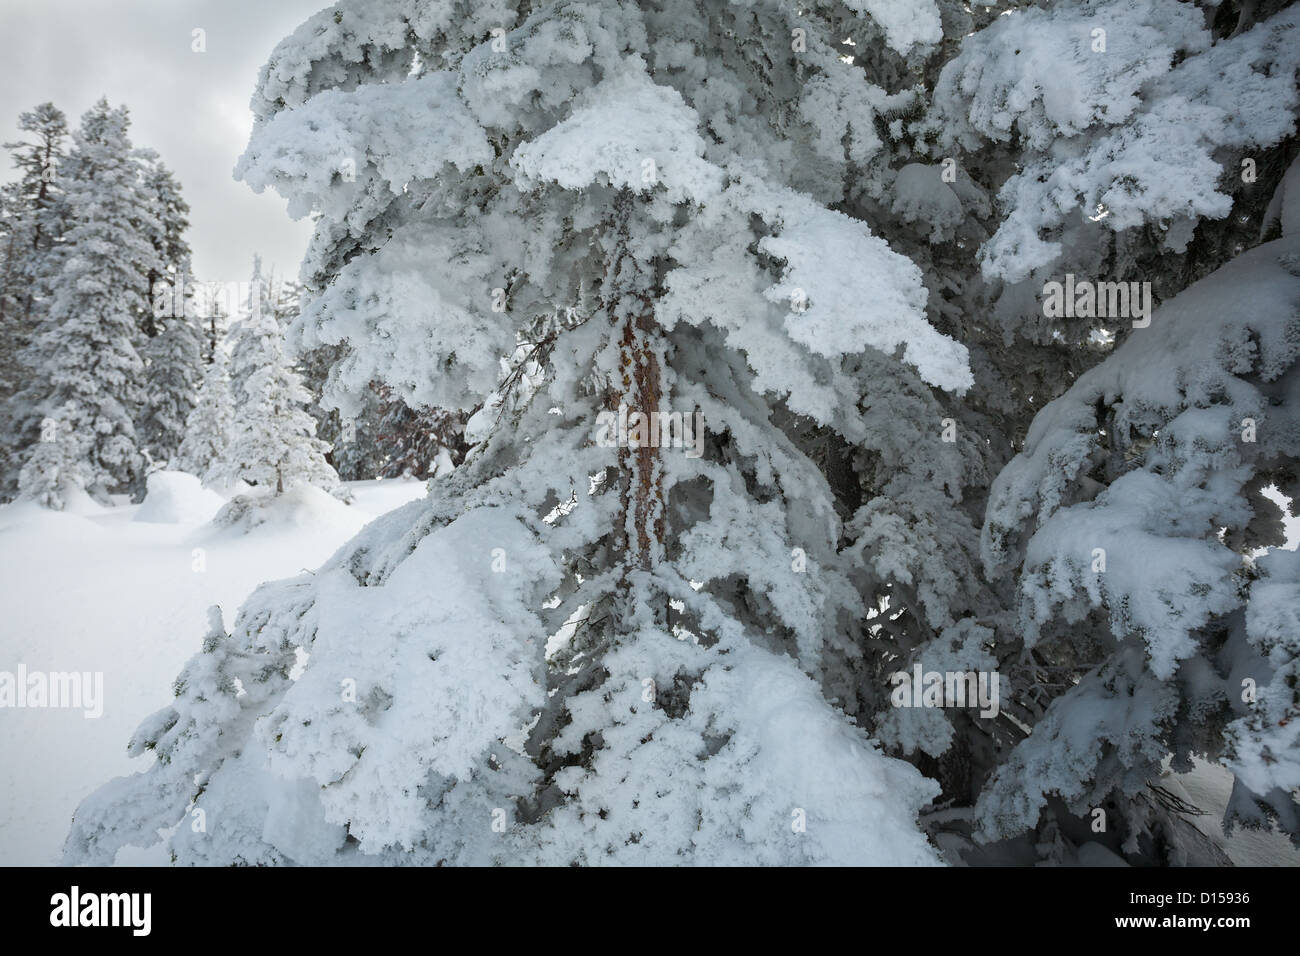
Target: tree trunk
pixel 629 303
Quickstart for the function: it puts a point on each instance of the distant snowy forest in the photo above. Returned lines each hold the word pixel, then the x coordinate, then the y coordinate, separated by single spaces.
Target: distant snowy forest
pixel 701 432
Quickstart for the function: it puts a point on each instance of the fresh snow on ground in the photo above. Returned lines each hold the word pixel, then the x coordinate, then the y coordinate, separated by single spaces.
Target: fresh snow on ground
pixel 1207 787
pixel 116 590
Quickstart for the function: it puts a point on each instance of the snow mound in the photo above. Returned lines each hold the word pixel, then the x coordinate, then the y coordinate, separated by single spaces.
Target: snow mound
pixel 174 497
pixel 303 506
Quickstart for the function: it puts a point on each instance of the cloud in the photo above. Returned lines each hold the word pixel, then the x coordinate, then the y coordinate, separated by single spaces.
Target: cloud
pixel 190 107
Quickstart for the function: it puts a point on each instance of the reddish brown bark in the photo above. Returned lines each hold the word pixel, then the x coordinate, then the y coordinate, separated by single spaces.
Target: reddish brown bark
pixel 642 390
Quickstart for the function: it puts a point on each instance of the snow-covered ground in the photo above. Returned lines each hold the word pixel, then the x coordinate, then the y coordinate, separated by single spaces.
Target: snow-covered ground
pixel 100 591
pixel 1208 787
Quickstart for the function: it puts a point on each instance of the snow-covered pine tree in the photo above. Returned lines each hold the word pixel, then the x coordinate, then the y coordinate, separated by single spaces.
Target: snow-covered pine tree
pixel 272 441
pixel 1129 517
pixel 53 475
pixel 214 327
pixel 1132 143
pixel 573 653
pixel 245 349
pixel 175 370
pixel 83 358
pixel 30 226
pixel 208 427
pixel 31 220
pixel 13 332
pixel 167 233
pixel 173 349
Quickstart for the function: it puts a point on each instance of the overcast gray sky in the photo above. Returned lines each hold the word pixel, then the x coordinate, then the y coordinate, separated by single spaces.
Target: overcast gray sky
pixel 190 107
